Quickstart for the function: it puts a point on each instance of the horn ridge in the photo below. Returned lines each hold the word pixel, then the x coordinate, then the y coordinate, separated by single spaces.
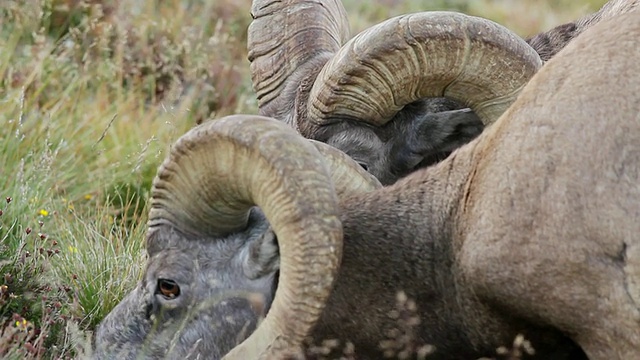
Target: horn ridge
pixel 285 35
pixel 469 59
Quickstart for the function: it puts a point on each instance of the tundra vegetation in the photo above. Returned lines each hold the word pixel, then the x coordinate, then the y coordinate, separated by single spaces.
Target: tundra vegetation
pixel 91 95
pixel 531 228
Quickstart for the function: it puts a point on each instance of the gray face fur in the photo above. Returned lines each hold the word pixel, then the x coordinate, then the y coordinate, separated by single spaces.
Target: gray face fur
pixel 421 134
pixel 219 284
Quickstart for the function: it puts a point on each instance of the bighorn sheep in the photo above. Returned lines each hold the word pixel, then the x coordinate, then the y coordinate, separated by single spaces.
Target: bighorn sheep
pixel 531 228
pixel 292 43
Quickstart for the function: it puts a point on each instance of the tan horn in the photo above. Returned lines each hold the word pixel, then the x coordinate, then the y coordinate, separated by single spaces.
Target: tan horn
pixel 430 54
pixel 210 180
pixel 286 34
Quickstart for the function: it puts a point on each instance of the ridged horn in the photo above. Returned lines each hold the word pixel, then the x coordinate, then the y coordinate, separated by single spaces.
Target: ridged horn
pixel 430 54
pixel 209 181
pixel 283 36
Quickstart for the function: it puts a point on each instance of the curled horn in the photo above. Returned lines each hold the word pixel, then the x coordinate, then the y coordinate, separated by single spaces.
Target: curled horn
pixel 283 36
pixel 430 54
pixel 212 177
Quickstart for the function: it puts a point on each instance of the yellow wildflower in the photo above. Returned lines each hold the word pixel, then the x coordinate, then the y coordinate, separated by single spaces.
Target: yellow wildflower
pixel 88 197
pixel 23 325
pixel 43 212
pixel 73 249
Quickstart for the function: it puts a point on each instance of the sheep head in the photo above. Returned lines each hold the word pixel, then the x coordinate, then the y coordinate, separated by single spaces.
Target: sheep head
pixel 226 191
pixel 192 287
pixel 365 94
pixel 422 134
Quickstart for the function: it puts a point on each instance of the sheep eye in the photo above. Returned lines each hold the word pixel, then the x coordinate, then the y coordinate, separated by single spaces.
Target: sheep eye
pixel 168 288
pixel 364 166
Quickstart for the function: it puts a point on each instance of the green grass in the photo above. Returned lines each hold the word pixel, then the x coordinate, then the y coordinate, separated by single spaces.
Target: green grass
pixel 90 100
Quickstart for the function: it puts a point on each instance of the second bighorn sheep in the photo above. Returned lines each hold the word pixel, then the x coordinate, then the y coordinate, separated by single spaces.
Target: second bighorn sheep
pixel 548 43
pixel 531 228
pixel 346 94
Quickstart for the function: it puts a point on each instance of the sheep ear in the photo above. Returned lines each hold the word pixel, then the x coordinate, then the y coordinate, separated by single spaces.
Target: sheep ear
pixel 430 135
pixel 261 256
pixel 443 131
